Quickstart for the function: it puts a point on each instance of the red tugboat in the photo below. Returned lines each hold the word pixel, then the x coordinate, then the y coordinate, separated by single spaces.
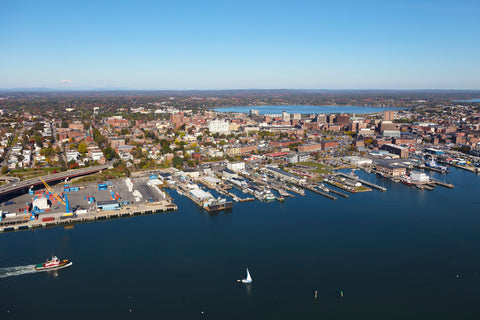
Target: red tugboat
pixel 53 264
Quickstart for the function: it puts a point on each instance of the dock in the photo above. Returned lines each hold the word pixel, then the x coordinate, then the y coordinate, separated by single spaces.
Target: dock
pixel 232 195
pixel 144 209
pixel 467 168
pixel 424 167
pixel 370 184
pixel 327 195
pixel 428 187
pixel 341 194
pixel 282 192
pixel 218 206
pixel 443 184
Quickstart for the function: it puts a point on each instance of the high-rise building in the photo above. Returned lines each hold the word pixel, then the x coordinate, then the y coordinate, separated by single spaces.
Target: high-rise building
pixel 343 119
pixel 388 115
pixel 321 118
pixel 176 119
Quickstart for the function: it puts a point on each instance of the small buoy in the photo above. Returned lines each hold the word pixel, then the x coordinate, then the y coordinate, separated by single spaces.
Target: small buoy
pixel 341 293
pixel 315 294
pixel 130 310
pixel 458 276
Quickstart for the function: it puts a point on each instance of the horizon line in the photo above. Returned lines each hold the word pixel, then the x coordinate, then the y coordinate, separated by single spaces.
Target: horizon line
pixel 36 89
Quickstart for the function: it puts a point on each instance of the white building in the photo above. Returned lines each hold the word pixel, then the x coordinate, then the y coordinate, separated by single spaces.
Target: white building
pixel 40 203
pixel 419 177
pixel 126 156
pixel 236 166
pixel 291 158
pixel 97 155
pixel 358 161
pixel 72 155
pixel 219 126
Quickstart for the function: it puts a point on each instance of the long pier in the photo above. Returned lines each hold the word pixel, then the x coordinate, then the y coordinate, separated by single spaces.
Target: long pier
pixel 341 194
pixel 327 195
pixel 150 208
pixel 373 185
pixel 443 184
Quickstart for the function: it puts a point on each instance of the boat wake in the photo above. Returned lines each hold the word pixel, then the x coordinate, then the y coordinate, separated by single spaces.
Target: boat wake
pixel 16 271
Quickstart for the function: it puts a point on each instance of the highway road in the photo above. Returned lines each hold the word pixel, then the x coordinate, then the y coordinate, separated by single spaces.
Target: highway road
pixel 24 184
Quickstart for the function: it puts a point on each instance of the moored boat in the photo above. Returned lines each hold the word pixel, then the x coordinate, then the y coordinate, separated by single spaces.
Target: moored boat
pixel 53 264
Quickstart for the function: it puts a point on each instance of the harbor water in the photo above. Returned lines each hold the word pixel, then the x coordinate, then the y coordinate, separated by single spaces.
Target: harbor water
pixel 401 254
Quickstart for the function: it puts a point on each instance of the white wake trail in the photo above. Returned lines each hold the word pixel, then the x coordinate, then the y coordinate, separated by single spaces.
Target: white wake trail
pixel 16 271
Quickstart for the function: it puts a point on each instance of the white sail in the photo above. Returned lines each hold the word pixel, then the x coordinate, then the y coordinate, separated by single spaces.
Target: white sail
pixel 248 279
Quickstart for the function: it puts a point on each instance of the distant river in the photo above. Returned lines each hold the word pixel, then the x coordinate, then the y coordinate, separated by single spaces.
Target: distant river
pixel 401 254
pixel 305 109
pixel 471 100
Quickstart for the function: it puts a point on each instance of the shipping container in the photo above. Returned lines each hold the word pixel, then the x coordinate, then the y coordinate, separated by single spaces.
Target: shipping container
pixel 81 211
pixel 48 219
pixel 102 186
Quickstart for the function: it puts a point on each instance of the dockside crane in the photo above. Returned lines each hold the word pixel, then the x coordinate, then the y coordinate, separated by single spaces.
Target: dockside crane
pixel 59 198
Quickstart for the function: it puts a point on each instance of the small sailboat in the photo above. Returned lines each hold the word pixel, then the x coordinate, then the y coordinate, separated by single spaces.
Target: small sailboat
pixel 248 279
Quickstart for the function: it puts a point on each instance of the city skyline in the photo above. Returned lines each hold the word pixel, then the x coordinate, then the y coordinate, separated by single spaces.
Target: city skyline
pixel 215 45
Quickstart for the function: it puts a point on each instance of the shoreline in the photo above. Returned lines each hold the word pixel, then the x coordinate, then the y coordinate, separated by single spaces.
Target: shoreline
pixel 306 106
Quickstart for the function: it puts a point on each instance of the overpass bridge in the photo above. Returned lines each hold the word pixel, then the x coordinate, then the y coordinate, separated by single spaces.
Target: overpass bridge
pixel 25 184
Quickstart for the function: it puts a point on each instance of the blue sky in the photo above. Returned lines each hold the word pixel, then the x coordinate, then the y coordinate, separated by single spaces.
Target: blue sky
pixel 240 44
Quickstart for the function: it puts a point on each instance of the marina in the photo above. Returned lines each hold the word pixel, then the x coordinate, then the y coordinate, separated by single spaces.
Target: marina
pixel 147 195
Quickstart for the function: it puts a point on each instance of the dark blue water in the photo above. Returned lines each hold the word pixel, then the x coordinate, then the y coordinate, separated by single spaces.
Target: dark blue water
pixel 305 109
pixel 400 254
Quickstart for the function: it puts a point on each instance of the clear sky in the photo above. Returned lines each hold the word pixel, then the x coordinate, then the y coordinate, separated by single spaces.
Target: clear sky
pixel 203 44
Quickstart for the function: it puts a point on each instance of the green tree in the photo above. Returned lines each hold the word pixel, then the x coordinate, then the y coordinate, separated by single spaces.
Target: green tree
pixel 177 162
pixel 109 153
pixel 82 148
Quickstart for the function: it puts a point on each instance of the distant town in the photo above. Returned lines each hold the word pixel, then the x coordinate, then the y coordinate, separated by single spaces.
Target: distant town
pixel 176 140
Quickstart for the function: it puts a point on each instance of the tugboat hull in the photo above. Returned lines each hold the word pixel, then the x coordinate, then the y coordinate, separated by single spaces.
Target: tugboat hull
pixel 63 264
